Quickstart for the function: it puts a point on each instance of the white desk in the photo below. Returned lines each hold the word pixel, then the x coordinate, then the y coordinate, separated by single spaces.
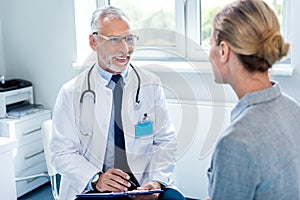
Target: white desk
pixel 7 172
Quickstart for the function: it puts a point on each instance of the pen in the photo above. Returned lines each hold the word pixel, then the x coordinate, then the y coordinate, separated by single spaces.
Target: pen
pixel 132 183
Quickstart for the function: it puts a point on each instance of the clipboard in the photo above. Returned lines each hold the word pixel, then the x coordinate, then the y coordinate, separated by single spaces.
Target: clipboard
pixel 118 194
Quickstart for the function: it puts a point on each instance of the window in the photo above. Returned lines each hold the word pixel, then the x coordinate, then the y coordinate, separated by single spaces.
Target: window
pixel 180 29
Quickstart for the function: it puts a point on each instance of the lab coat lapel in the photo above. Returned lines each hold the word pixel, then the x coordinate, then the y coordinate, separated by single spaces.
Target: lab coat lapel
pixel 129 115
pixel 102 116
pixel 130 118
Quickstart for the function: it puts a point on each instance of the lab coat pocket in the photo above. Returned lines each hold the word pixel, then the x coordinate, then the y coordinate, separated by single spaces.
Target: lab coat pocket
pixel 140 146
pixel 139 153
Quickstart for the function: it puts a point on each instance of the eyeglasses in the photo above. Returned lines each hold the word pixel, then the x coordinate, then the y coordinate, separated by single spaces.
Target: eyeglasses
pixel 115 40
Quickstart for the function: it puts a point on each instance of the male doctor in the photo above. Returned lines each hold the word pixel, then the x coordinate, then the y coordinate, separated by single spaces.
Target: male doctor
pixel 86 124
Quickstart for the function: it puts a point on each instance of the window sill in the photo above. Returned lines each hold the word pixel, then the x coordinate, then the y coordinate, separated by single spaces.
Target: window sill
pixel 201 67
pixel 281 69
pixel 174 66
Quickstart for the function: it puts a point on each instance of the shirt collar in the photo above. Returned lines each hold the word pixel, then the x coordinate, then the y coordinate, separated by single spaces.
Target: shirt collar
pixel 256 97
pixel 107 75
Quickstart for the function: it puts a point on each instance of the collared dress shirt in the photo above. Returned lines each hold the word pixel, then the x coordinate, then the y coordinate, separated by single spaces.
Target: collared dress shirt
pixel 109 155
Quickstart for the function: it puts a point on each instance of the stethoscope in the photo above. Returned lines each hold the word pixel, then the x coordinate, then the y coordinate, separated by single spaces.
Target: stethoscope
pixel 93 96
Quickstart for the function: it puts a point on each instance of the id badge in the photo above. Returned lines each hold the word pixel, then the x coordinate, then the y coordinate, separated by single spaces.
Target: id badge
pixel 144 127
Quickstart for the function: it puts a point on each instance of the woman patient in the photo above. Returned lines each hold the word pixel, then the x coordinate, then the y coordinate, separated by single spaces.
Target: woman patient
pixel 258 155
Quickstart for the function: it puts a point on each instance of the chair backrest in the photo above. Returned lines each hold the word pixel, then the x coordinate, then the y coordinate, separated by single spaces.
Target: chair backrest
pixel 46 135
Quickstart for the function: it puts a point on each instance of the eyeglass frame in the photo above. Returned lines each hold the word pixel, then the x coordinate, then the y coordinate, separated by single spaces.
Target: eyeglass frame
pixel 118 39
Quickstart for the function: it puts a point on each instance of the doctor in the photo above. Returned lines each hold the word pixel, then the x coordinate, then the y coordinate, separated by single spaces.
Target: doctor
pixel 85 118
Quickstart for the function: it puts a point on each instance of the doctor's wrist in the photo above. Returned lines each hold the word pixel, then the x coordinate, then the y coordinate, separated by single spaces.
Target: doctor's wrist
pixel 162 185
pixel 95 179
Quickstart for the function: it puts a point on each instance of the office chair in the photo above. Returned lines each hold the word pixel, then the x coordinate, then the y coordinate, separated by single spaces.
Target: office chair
pixel 46 135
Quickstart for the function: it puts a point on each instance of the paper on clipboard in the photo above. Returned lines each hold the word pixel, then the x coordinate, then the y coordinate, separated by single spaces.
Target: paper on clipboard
pixel 118 194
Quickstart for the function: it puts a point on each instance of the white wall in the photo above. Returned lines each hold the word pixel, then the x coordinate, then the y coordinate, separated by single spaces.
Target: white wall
pixel 39 41
pixel 2 61
pixel 198 126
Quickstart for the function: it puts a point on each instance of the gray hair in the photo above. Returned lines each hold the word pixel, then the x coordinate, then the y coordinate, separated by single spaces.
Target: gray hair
pixel 110 11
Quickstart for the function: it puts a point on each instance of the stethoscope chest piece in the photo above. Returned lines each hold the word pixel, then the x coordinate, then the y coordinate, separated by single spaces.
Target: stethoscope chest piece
pixel 137 105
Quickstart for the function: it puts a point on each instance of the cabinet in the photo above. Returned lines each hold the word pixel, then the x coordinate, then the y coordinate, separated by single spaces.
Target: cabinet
pixel 7 173
pixel 29 157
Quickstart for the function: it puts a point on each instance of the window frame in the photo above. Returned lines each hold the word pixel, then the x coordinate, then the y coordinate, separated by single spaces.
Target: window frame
pixel 185 48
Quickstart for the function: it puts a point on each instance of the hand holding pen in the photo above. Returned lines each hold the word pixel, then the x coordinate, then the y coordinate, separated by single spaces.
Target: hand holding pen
pixel 114 180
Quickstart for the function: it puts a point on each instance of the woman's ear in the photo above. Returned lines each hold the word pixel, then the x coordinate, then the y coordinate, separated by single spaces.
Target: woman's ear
pixel 224 50
pixel 93 42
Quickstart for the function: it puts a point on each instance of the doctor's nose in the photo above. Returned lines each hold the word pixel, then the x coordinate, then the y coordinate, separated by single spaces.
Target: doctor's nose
pixel 124 47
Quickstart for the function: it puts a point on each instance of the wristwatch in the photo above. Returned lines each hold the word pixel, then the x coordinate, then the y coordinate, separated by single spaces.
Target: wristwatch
pixel 95 180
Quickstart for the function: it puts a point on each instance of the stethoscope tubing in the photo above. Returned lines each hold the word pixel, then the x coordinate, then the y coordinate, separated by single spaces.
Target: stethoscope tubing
pixel 89 87
pixel 89 90
pixel 137 101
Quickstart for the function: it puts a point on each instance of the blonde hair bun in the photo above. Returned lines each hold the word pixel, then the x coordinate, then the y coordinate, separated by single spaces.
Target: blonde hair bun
pixel 273 47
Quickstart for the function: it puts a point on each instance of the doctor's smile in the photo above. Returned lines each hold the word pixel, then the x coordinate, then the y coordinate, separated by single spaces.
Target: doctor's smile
pixel 121 60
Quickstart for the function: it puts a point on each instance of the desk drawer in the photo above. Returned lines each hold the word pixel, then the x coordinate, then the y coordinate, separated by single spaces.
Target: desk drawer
pixel 30 129
pixel 24 129
pixel 27 185
pixel 28 155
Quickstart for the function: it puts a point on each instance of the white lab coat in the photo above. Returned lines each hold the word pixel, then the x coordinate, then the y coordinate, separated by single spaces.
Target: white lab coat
pixel 78 158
